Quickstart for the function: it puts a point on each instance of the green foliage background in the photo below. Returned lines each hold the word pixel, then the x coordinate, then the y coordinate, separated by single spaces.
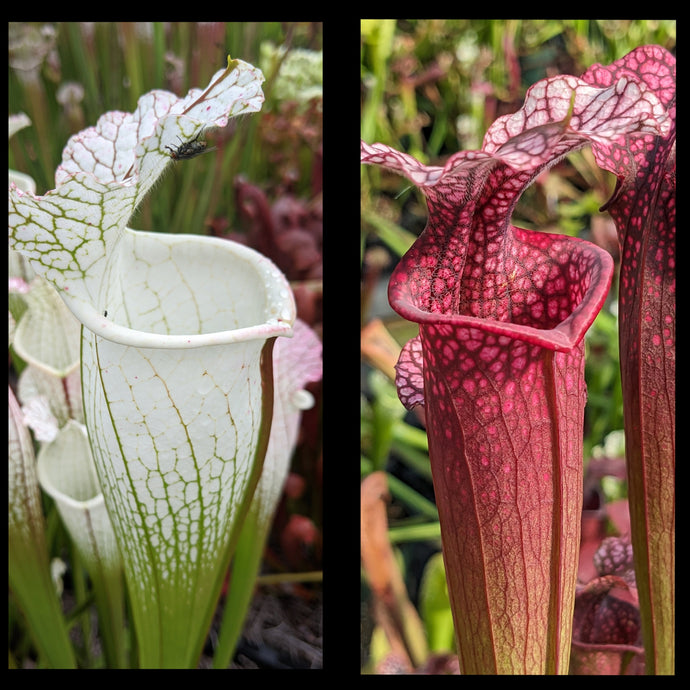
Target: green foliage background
pixel 65 75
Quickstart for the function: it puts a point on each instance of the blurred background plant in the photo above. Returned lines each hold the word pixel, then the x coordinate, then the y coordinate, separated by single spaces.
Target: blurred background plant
pixel 262 185
pixel 432 88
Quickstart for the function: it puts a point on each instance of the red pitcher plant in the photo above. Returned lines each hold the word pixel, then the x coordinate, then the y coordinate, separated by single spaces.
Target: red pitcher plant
pixel 499 361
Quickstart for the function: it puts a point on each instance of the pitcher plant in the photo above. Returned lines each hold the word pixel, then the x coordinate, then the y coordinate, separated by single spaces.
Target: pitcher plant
pixel 176 353
pixel 499 361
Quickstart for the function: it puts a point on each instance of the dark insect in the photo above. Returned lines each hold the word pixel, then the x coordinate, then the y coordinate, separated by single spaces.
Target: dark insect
pixel 188 149
pixel 105 313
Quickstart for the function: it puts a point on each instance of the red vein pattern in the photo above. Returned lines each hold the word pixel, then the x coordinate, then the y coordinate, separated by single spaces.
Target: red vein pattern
pixel 499 367
pixel 644 209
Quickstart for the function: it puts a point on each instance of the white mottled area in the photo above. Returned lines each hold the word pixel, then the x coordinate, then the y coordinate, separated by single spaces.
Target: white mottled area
pixel 188 432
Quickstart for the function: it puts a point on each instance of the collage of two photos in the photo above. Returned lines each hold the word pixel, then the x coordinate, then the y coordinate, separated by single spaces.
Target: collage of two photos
pixel 168 498
pixel 518 347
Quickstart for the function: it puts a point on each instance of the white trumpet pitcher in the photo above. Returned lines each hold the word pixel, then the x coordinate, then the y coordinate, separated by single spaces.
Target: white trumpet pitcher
pixel 177 337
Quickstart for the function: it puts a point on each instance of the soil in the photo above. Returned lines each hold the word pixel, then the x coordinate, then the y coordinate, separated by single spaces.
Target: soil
pixel 283 631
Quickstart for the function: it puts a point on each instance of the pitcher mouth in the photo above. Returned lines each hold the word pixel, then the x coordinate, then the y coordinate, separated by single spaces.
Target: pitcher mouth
pixel 556 321
pixel 214 292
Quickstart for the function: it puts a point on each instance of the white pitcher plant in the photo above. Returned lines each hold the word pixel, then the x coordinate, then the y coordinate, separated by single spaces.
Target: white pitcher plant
pixel 29 569
pixel 67 473
pixel 45 335
pixel 176 354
